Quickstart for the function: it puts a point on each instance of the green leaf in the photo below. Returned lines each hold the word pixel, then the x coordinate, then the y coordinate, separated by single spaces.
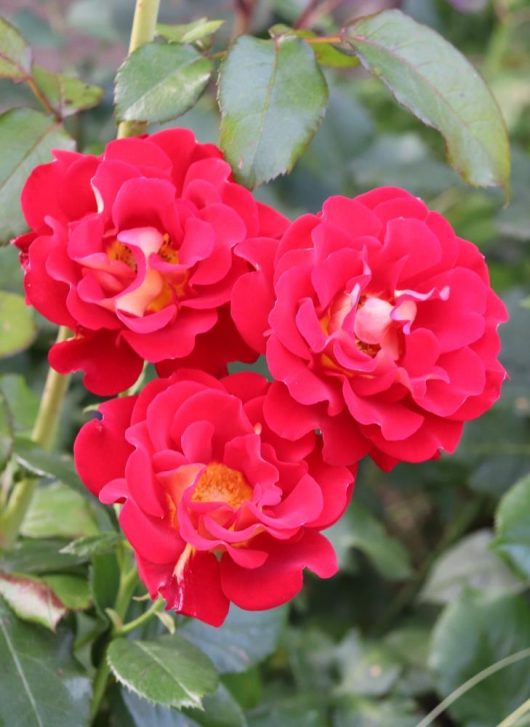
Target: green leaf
pixel 104 577
pixel 72 591
pixel 470 636
pixel 272 96
pixel 367 669
pixel 131 711
pixel 15 53
pixel 220 709
pixel 394 712
pixel 41 685
pixel 245 638
pixel 189 32
pixel 66 94
pixel 26 138
pixel 469 564
pixel 93 545
pixel 403 160
pixel 512 527
pixel 160 81
pixel 53 465
pixel 359 529
pixel 6 432
pixel 58 511
pixel 168 671
pixel 434 81
pixel 17 327
pixel 38 556
pixel 326 54
pixel 302 710
pixel 31 599
pixel 23 403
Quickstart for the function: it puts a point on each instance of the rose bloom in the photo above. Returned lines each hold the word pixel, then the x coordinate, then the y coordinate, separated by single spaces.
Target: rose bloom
pixel 134 251
pixel 217 507
pixel 379 325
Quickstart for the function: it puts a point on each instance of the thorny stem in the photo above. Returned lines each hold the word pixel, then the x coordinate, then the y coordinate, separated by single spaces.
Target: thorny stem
pixel 142 31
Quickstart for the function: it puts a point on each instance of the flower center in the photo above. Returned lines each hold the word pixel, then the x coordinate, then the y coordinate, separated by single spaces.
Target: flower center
pixel 219 483
pixel 159 285
pixel 371 325
pixel 123 253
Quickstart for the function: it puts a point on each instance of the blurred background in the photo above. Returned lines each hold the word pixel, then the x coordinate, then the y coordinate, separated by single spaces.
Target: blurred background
pixel 415 610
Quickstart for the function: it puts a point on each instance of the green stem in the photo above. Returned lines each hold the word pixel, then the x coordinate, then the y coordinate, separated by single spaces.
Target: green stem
pixel 51 402
pixel 498 45
pixel 470 683
pixel 516 715
pixel 43 434
pixel 128 582
pixel 143 31
pixel 155 608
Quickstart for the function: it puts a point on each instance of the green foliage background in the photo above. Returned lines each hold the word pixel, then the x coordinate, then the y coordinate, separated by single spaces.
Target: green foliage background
pixel 435 558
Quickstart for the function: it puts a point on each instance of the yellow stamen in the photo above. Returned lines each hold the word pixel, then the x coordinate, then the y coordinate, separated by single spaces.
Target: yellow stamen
pixel 219 483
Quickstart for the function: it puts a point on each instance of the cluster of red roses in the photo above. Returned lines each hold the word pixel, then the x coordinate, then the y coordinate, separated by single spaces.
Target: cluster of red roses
pixel 378 325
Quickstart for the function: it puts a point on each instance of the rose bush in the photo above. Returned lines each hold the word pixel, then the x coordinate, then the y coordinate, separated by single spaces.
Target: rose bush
pixel 134 251
pixel 379 325
pixel 217 507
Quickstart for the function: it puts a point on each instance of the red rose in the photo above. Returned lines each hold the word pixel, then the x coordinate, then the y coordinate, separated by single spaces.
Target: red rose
pixel 217 507
pixel 134 251
pixel 381 326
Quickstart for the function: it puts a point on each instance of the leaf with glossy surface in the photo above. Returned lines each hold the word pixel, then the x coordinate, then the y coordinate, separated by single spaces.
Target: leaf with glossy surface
pixel 189 32
pixel 512 527
pixel 272 96
pixel 41 685
pixel 17 327
pixel 245 638
pixel 26 139
pixel 470 636
pixel 31 599
pixel 15 53
pixel 160 81
pixel 66 94
pixel 469 564
pixel 57 511
pixel 434 81
pixel 168 671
